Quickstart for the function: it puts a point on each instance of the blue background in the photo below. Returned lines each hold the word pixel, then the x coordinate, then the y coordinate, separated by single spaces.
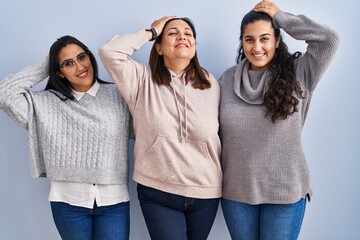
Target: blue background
pixel 331 133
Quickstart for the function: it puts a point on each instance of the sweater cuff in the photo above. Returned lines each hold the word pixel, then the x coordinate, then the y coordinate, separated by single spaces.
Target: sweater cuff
pixel 279 17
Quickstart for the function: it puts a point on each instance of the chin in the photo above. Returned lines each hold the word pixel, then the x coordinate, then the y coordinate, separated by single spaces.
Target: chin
pixel 258 66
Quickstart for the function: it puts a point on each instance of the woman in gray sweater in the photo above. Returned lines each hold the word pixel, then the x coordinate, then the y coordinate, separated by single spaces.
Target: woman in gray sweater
pixel 264 102
pixel 78 135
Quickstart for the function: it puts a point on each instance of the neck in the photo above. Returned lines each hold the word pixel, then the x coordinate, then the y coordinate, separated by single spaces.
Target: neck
pixel 177 66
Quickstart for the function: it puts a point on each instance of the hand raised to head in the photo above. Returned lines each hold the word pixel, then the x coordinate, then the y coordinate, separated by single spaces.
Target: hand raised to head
pixel 159 24
pixel 267 7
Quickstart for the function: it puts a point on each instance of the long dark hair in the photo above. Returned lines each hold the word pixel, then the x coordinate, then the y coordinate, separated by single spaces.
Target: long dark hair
pixel 194 72
pixel 62 85
pixel 279 99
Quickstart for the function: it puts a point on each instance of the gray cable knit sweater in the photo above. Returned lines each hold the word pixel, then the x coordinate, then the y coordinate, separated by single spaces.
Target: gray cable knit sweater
pixel 264 162
pixel 78 141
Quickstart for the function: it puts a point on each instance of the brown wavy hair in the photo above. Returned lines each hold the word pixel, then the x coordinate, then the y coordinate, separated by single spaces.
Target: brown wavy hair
pixel 193 72
pixel 282 98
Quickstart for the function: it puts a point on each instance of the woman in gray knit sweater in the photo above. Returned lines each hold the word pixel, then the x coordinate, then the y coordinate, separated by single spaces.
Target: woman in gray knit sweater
pixel 264 102
pixel 78 135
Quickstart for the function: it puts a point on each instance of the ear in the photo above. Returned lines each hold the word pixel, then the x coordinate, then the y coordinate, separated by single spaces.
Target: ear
pixel 60 75
pixel 278 42
pixel 158 48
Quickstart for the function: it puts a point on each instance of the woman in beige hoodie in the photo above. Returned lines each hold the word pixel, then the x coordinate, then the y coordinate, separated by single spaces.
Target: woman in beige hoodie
pixel 174 103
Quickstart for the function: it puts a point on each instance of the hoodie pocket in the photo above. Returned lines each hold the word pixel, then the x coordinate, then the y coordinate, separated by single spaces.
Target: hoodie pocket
pixel 186 163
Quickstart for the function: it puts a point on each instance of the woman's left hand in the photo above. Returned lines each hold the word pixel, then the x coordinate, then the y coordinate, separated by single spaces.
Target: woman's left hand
pixel 159 24
pixel 267 7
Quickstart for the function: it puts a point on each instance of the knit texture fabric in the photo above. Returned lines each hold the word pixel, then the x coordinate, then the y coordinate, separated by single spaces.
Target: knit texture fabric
pixel 77 141
pixel 264 162
pixel 177 147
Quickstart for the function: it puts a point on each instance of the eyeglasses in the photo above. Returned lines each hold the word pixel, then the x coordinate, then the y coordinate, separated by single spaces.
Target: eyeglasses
pixel 69 65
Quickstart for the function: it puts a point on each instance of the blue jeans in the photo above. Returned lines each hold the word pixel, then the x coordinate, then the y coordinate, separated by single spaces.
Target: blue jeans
pixel 100 223
pixel 263 221
pixel 169 216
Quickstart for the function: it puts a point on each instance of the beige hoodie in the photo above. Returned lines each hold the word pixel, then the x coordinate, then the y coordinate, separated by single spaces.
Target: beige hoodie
pixel 177 147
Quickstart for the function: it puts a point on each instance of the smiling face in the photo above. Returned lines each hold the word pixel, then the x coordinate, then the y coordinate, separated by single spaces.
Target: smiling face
pixel 177 42
pixel 259 44
pixel 81 75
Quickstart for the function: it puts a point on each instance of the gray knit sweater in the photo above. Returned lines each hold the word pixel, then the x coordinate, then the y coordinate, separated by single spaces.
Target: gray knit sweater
pixel 78 141
pixel 264 162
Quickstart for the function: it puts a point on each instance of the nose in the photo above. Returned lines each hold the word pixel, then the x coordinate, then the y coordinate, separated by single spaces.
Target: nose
pixel 257 46
pixel 182 36
pixel 78 64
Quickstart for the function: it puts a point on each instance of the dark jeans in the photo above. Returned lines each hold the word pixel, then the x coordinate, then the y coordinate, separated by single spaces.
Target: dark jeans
pixel 100 223
pixel 169 216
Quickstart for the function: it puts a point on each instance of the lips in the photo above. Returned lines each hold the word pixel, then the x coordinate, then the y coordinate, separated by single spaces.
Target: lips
pixel 83 74
pixel 258 55
pixel 182 45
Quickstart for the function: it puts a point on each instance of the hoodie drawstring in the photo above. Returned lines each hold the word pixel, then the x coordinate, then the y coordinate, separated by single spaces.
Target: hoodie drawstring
pixel 179 113
pixel 186 120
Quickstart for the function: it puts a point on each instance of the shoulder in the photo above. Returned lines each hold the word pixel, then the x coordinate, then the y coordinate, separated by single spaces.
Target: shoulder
pixel 49 95
pixel 214 83
pixel 107 85
pixel 212 79
pixel 228 75
pixel 110 90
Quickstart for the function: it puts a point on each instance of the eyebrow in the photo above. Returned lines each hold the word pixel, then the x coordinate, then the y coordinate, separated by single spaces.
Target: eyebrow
pixel 176 28
pixel 74 57
pixel 262 35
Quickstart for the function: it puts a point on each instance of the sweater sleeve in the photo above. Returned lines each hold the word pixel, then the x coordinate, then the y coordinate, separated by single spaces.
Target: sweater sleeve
pixel 322 43
pixel 128 74
pixel 15 98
